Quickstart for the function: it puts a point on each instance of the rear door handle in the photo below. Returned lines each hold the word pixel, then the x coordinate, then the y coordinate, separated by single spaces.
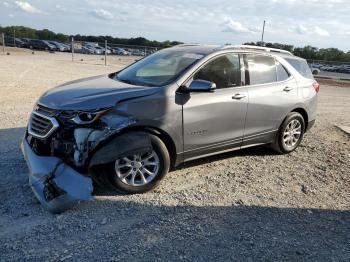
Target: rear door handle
pixel 238 96
pixel 288 88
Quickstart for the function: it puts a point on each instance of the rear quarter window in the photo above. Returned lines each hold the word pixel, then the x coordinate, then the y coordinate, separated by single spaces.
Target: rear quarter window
pixel 301 66
pixel 282 73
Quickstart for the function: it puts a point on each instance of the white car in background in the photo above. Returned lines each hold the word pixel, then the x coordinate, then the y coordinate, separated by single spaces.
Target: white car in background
pixel 314 70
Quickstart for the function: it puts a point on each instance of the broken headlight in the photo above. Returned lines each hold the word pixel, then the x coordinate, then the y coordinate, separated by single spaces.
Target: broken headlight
pixel 82 118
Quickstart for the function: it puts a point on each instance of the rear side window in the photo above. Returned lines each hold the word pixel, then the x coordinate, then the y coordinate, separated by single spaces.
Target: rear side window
pixel 262 69
pixel 224 71
pixel 282 73
pixel 301 66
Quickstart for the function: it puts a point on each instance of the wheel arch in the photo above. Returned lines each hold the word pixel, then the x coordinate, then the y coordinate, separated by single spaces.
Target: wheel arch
pixel 162 135
pixel 304 114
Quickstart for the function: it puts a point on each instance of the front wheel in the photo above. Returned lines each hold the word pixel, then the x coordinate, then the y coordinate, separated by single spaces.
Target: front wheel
pixel 140 172
pixel 290 133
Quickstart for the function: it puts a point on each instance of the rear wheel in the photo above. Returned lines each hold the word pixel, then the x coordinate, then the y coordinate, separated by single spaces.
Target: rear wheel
pixel 140 172
pixel 290 133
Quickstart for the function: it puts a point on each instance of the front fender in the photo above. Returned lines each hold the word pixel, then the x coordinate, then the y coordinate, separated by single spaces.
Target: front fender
pixel 121 146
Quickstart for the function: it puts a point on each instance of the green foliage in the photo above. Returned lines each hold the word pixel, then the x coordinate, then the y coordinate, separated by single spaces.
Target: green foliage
pixel 310 52
pixel 46 34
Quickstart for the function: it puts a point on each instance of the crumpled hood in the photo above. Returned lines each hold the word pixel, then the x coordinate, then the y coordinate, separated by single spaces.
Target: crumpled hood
pixel 92 93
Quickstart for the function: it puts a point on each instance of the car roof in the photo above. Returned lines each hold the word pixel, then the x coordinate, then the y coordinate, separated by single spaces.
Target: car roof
pixel 208 49
pixel 196 48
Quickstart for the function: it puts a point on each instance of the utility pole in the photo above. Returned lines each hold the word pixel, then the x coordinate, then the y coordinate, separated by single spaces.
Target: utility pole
pixel 262 35
pixel 14 37
pixel 72 48
pixel 105 52
pixel 3 42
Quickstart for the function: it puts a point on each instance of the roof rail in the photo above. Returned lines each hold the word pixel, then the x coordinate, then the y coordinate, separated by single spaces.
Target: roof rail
pixel 252 47
pixel 185 45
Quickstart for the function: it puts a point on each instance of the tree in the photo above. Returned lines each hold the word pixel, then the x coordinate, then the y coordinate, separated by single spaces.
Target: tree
pixel 46 34
pixel 310 52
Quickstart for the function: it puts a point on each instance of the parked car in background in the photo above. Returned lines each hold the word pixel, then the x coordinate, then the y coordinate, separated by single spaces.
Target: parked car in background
pixel 93 48
pixel 26 42
pixel 137 52
pixel 85 50
pixel 97 50
pixel 314 70
pixel 13 41
pixel 109 50
pixel 59 46
pixel 345 69
pixel 91 44
pixel 120 51
pixel 67 46
pixel 41 45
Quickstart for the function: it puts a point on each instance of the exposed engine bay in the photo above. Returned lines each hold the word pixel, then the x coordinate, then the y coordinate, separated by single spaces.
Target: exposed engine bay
pixel 76 134
pixel 61 148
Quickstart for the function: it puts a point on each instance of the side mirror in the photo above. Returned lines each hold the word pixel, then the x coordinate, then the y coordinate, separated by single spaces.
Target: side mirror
pixel 201 86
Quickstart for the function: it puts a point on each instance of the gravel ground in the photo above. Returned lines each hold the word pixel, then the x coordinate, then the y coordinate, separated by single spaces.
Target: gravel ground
pixel 245 205
pixel 334 83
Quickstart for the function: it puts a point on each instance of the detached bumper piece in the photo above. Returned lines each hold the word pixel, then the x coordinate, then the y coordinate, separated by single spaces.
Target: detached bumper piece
pixel 56 185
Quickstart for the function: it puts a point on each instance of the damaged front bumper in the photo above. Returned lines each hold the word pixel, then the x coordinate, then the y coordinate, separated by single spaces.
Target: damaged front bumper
pixel 55 184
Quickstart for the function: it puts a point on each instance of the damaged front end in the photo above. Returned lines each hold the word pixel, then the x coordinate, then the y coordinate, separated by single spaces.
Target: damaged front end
pixel 60 147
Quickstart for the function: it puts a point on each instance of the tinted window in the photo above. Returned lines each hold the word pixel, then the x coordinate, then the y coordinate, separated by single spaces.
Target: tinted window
pixel 282 73
pixel 224 71
pixel 301 66
pixel 262 69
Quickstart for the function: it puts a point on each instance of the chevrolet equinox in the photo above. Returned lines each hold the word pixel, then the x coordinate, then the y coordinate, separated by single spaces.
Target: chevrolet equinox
pixel 182 103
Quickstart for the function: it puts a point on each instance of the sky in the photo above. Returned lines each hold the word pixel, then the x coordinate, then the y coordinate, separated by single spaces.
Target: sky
pixel 320 23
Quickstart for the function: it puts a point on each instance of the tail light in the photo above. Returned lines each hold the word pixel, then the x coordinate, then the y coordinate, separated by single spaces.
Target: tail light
pixel 316 87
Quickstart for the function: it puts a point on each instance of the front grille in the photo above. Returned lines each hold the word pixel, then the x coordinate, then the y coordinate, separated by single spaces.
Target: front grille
pixel 40 125
pixel 45 110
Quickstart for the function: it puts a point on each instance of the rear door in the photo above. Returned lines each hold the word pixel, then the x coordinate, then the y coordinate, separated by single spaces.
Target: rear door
pixel 215 121
pixel 272 92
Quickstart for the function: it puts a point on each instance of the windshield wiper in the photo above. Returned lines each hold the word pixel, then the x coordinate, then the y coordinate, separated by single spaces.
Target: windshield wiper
pixel 131 82
pixel 127 81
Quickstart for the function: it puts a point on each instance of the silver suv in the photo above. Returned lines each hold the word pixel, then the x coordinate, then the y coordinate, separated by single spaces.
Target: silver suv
pixel 190 101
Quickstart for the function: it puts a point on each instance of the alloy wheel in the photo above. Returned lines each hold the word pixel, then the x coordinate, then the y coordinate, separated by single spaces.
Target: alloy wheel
pixel 292 133
pixel 138 169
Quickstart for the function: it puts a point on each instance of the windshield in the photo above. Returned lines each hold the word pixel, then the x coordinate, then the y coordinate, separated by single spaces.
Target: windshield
pixel 159 69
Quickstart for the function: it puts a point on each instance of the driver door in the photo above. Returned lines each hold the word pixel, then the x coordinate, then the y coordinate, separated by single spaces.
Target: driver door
pixel 214 121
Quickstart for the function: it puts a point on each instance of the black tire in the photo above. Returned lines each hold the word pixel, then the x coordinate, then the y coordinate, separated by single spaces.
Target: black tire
pixel 280 146
pixel 164 165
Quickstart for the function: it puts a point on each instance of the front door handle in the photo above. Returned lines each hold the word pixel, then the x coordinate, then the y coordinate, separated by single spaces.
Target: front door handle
pixel 287 89
pixel 238 96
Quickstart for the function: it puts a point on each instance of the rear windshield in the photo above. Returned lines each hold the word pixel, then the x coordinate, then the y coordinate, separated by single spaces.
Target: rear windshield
pixel 301 66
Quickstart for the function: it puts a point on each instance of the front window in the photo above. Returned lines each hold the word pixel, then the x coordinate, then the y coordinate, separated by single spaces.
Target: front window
pixel 159 69
pixel 224 71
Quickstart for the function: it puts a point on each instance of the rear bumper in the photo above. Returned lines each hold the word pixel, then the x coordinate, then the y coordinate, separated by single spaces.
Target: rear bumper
pixel 55 184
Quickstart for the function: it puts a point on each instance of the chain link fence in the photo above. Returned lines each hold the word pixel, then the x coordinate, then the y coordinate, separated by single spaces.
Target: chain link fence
pixel 107 52
pixel 330 69
pixel 103 53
